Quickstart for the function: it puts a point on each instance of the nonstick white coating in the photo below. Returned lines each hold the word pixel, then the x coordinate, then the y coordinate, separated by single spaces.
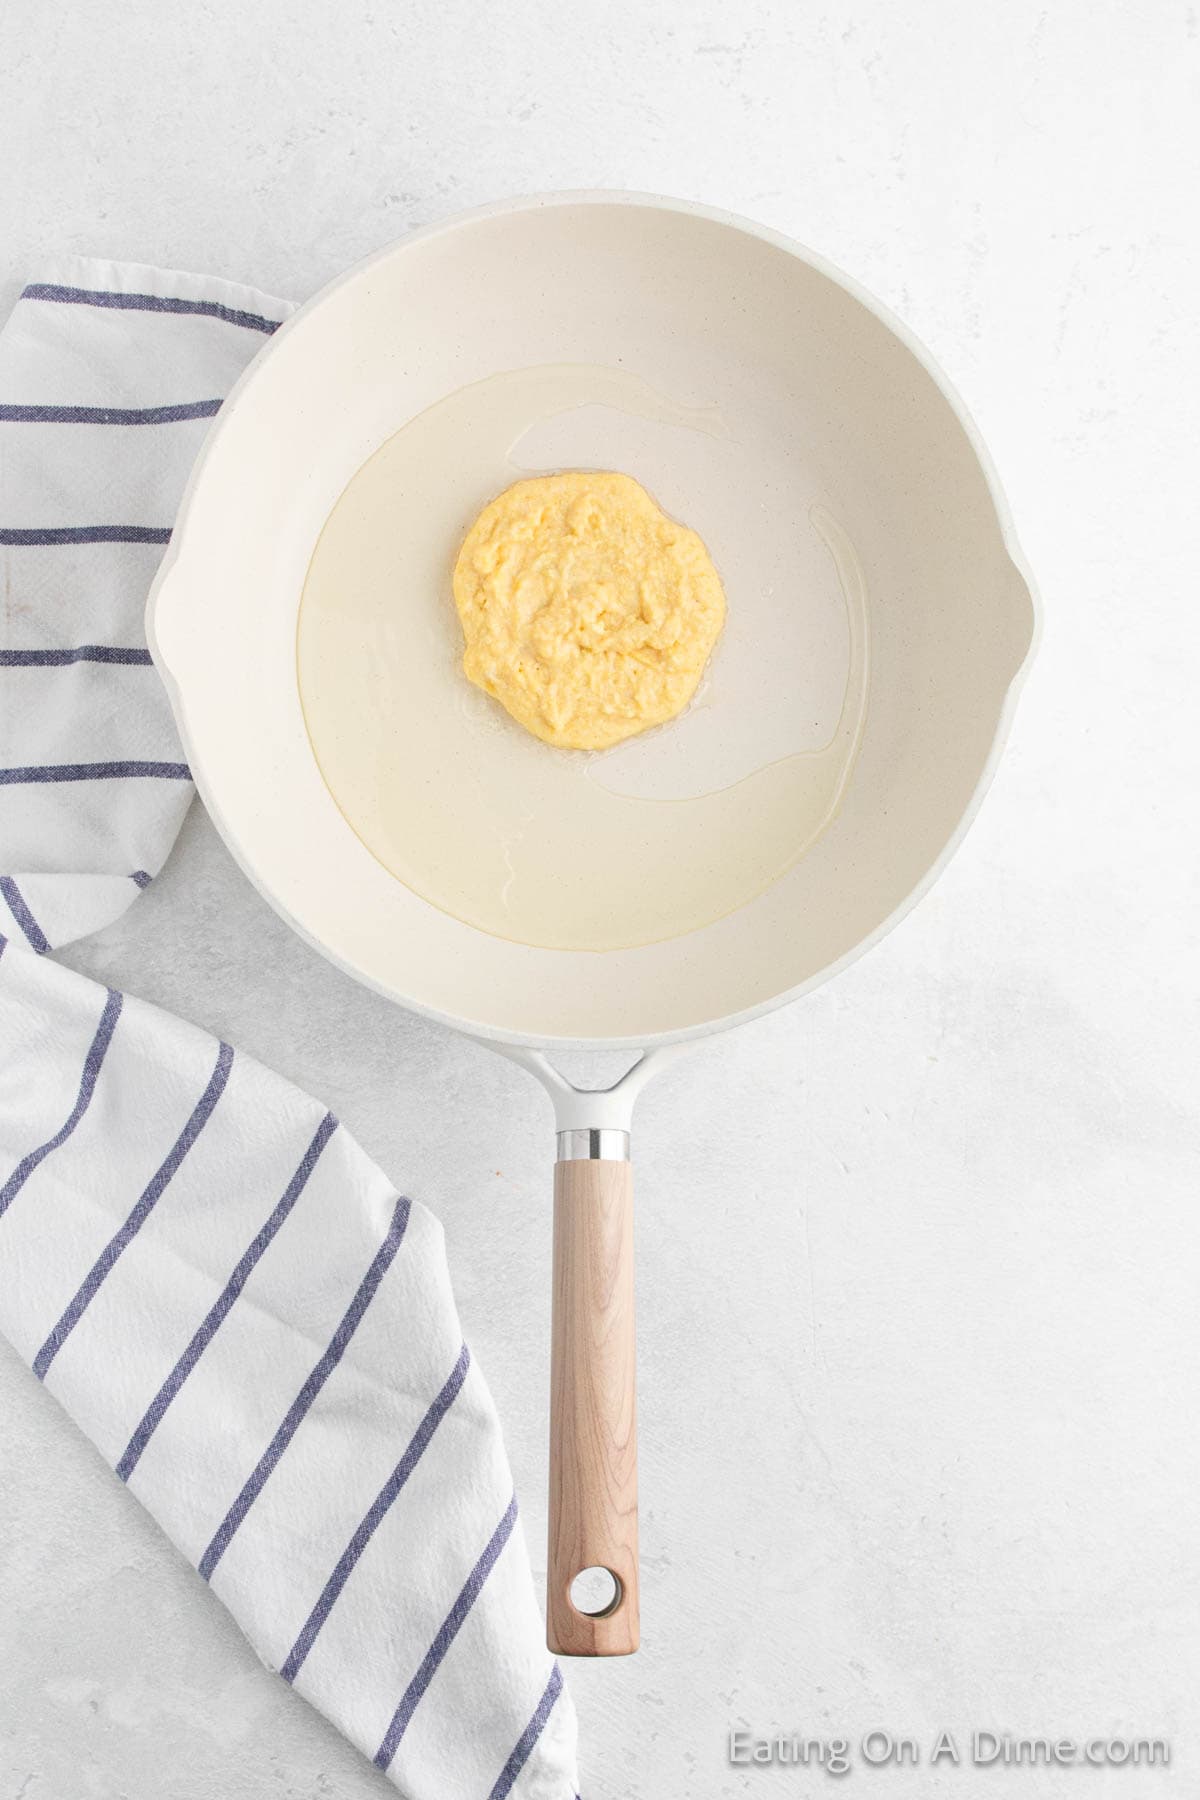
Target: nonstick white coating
pixel 694 300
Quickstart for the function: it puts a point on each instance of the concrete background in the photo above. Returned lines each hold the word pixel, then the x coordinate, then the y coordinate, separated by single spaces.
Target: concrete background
pixel 918 1257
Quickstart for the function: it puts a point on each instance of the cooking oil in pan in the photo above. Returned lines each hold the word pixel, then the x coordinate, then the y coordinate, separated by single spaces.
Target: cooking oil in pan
pixel 568 849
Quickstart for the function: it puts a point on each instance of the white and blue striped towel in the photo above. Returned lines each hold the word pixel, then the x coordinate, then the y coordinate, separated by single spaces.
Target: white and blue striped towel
pixel 231 1300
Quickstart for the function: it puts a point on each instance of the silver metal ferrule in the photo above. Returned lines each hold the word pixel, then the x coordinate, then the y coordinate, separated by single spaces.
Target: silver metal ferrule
pixel 593 1146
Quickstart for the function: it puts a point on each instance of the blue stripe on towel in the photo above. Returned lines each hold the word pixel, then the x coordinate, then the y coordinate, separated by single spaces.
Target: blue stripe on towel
pixel 375 1513
pixel 450 1628
pixel 18 906
pixel 209 1325
pixel 57 659
pixel 321 1372
pixel 528 1738
pixel 86 534
pixel 141 878
pixel 87 1086
pixel 209 309
pixel 121 1239
pixel 102 771
pixel 12 414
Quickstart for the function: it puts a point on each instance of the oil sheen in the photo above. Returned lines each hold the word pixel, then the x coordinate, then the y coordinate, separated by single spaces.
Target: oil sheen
pixel 566 849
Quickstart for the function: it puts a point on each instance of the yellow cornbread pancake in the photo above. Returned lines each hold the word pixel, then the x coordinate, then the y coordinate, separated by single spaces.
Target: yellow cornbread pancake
pixel 587 612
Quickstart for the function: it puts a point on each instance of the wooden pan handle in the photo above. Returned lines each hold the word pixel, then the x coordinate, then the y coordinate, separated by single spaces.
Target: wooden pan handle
pixel 593 1407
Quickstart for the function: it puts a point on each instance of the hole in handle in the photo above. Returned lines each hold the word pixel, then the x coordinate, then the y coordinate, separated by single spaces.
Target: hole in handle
pixel 596 1592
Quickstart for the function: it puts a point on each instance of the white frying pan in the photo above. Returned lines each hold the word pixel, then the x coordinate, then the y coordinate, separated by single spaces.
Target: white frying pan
pixel 874 589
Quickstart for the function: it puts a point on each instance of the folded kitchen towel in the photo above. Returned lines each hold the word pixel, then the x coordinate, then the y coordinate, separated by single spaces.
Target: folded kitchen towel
pixel 238 1308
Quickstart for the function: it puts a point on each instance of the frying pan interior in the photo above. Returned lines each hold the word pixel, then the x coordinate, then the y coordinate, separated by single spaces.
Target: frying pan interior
pixel 838 414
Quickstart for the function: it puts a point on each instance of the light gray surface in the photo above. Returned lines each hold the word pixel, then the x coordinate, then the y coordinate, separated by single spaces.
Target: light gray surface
pixel 918 1258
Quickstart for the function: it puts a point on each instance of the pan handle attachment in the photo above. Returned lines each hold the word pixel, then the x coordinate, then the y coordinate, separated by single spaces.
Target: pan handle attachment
pixel 593 1401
